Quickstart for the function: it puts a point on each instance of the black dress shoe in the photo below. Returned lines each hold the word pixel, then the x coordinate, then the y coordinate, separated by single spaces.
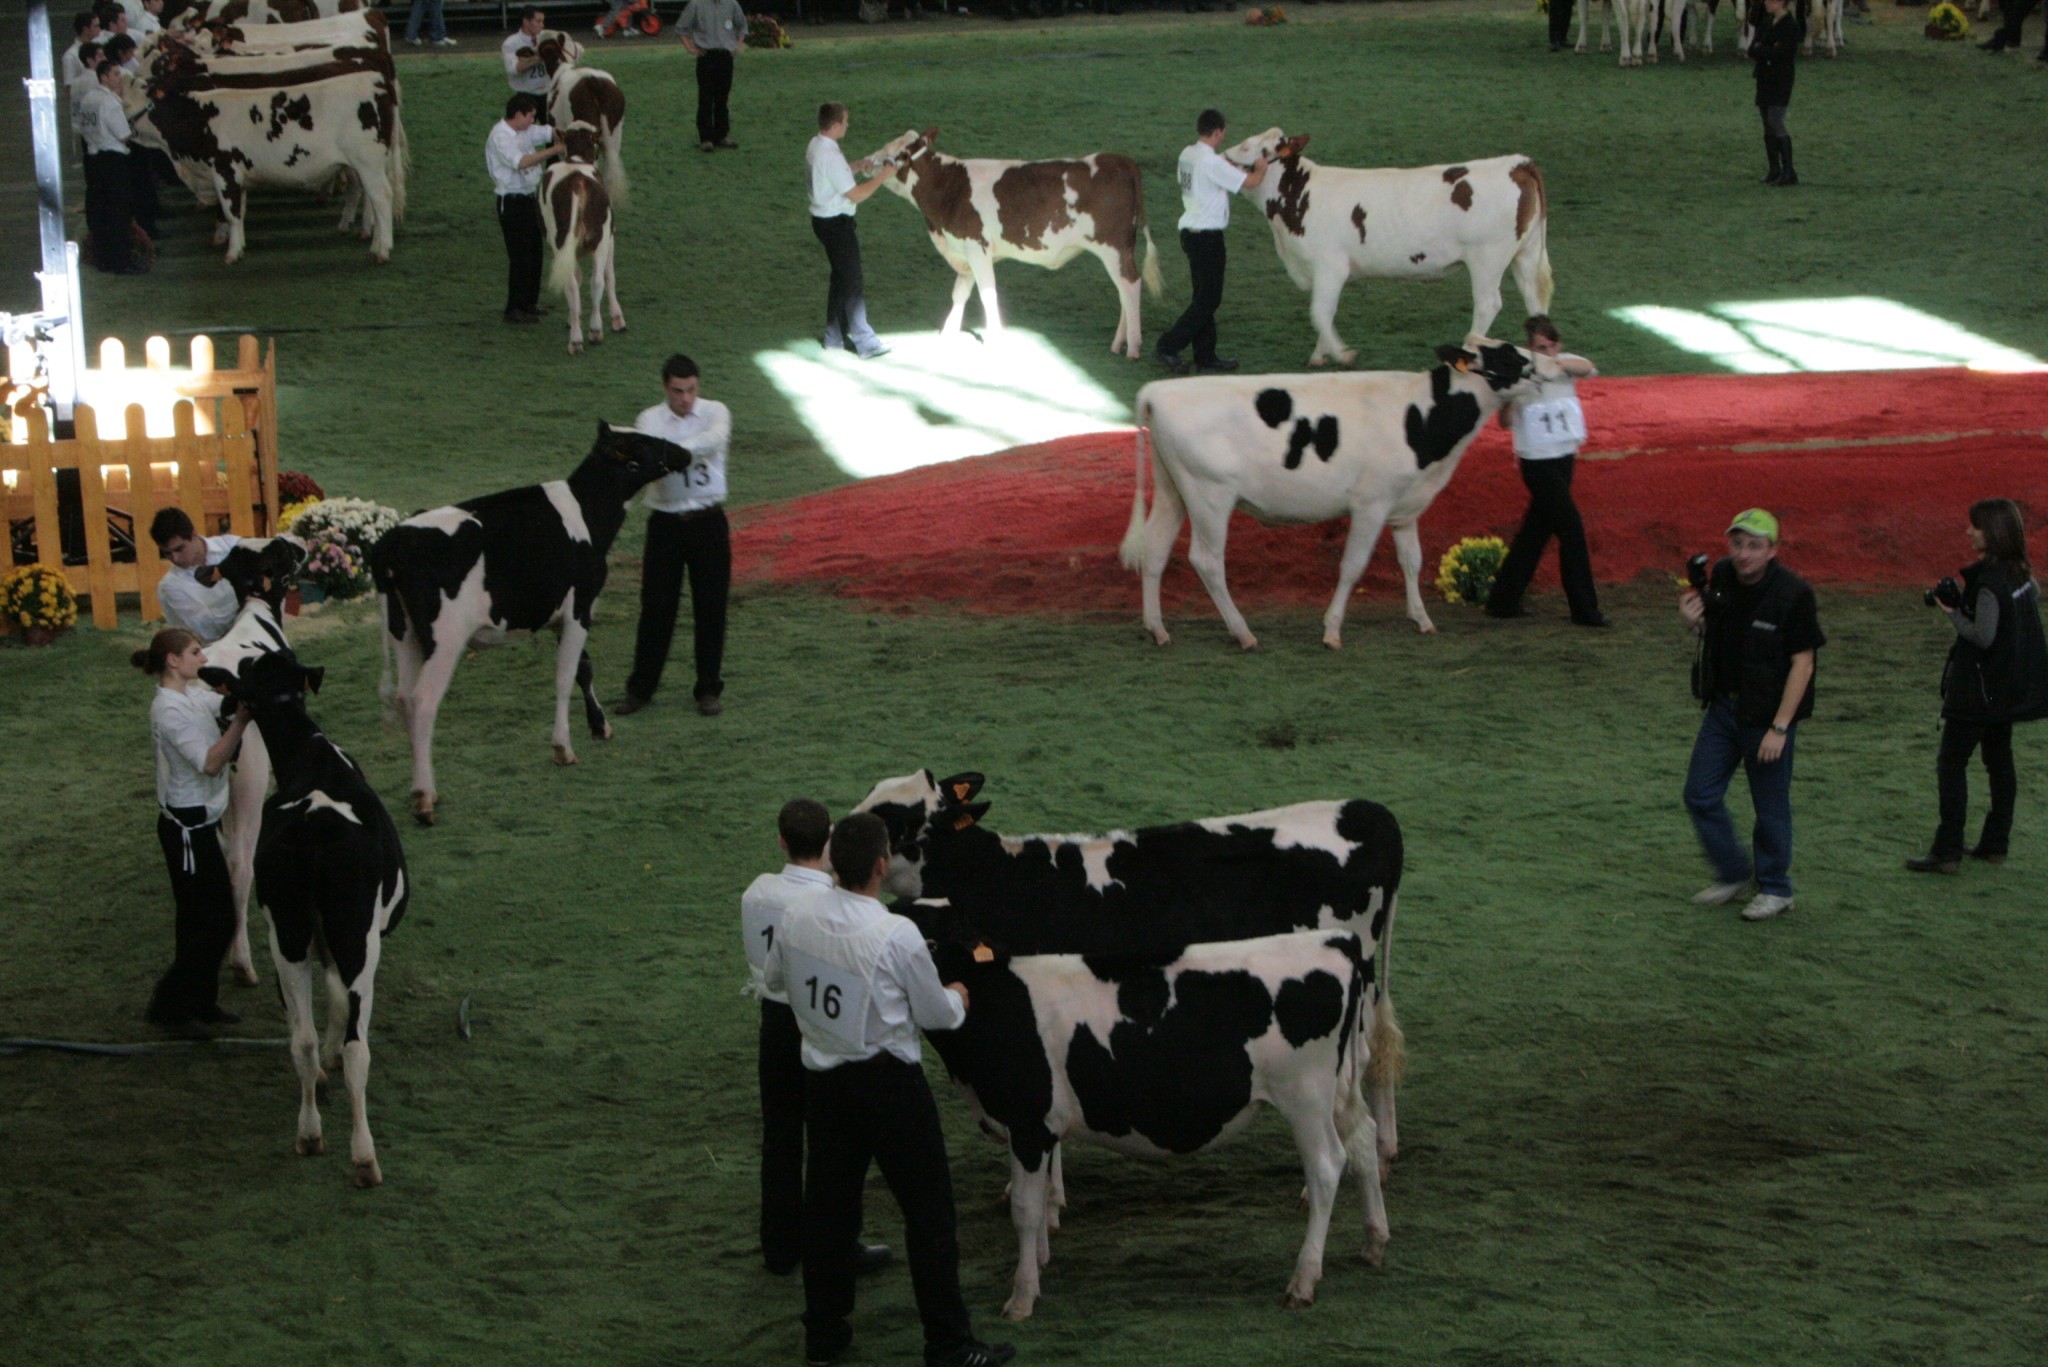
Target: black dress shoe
pixel 1508 612
pixel 1176 364
pixel 521 317
pixel 1598 619
pixel 871 1258
pixel 628 705
pixel 1987 856
pixel 728 144
pixel 1934 863
pixel 1219 364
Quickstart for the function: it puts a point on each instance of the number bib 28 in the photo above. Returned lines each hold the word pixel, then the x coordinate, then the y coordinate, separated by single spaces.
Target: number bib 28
pixel 827 998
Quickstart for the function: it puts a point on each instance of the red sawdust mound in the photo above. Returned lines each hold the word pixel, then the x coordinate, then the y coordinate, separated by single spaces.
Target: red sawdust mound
pixel 1871 475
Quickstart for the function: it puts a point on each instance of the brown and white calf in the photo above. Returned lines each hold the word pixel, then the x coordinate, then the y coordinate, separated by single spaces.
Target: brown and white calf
pixel 578 215
pixel 1335 224
pixel 981 210
pixel 582 94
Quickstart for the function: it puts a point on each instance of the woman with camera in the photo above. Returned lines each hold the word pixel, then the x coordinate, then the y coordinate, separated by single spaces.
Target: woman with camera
pixel 1997 674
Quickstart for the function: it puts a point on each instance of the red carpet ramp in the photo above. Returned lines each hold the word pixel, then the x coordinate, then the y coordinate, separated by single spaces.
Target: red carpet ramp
pixel 1872 475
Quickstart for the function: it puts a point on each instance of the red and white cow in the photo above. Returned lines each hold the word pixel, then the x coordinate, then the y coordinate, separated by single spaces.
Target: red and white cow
pixel 980 211
pixel 587 95
pixel 1626 15
pixel 1823 19
pixel 1376 445
pixel 297 128
pixel 1334 224
pixel 253 12
pixel 578 215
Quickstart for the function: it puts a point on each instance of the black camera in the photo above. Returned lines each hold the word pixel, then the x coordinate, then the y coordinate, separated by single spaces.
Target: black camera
pixel 1696 574
pixel 1947 594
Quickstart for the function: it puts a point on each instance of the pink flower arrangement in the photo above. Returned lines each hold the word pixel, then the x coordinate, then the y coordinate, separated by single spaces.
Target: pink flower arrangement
pixel 334 565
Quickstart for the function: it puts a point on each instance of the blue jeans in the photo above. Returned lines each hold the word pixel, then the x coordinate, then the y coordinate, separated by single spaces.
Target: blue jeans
pixel 1723 745
pixel 425 13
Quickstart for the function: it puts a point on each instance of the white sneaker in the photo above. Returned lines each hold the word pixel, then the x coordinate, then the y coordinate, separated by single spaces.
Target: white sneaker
pixel 1765 905
pixel 444 42
pixel 412 42
pixel 1720 894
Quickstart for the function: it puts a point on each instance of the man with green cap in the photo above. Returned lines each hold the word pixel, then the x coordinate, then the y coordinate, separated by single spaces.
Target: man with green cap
pixel 1758 629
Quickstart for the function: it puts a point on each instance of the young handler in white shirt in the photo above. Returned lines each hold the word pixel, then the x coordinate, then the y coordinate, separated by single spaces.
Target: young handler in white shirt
pixel 1207 182
pixel 192 758
pixel 835 195
pixel 1549 426
pixel 862 985
pixel 515 153
pixel 206 607
pixel 801 829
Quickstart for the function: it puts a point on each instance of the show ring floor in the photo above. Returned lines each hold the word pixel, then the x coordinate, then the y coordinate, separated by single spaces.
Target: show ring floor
pixel 1871 473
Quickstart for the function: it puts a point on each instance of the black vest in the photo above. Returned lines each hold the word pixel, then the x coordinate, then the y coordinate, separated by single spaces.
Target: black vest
pixel 1762 662
pixel 2009 680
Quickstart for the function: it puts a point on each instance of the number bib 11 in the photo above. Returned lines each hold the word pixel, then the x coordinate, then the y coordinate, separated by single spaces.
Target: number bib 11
pixel 1554 424
pixel 826 998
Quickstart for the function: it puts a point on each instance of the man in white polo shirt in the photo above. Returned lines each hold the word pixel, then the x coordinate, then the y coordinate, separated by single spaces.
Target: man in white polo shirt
pixel 861 983
pixel 515 154
pixel 834 197
pixel 686 533
pixel 1207 182
pixel 523 70
pixel 207 608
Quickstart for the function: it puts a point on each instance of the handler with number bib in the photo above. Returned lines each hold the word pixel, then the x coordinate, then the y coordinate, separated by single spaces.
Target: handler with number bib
pixel 1549 427
pixel 862 984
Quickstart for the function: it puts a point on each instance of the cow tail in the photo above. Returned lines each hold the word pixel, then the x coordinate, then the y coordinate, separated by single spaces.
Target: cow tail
pixel 1352 1109
pixel 616 186
pixel 400 160
pixel 1532 254
pixel 1132 552
pixel 387 682
pixel 1152 284
pixel 1388 1046
pixel 567 235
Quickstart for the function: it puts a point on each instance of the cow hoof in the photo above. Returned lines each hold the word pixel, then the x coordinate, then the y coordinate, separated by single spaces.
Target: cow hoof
pixel 575 348
pixel 1162 637
pixel 423 809
pixel 1333 640
pixel 1376 1256
pixel 564 756
pixel 1426 628
pixel 368 1174
pixel 1247 643
pixel 618 325
pixel 1348 356
pixel 380 259
pixel 1291 1301
pixel 596 338
pixel 1319 359
pixel 605 734
pixel 311 1146
pixel 1014 1309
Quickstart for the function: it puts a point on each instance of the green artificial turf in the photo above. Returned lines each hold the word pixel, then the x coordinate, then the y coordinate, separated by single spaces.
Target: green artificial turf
pixel 1634 1132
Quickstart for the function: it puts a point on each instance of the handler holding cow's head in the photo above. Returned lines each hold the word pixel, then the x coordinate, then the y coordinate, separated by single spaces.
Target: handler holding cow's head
pixel 861 982
pixel 1207 182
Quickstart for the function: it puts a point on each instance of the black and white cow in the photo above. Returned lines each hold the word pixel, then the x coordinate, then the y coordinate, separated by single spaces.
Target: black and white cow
pixel 1154 891
pixel 1162 1058
pixel 476 573
pixel 331 876
pixel 261 572
pixel 1378 446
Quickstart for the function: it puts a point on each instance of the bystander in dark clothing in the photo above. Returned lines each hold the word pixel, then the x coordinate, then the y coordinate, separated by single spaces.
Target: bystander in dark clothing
pixel 1775 50
pixel 1561 23
pixel 713 31
pixel 2008 35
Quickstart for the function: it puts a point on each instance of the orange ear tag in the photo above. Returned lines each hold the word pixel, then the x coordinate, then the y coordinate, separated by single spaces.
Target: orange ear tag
pixel 984 955
pixel 962 791
pixel 963 821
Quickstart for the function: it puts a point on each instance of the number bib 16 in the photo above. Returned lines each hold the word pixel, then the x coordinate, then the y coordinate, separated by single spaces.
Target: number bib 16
pixel 827 998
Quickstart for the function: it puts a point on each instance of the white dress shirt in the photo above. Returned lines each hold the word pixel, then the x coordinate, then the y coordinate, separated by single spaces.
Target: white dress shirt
pixel 507 147
pixel 101 122
pixel 830 179
pixel 886 953
pixel 185 725
pixel 1549 424
pixel 75 92
pixel 533 80
pixel 141 25
pixel 1207 182
pixel 705 434
pixel 762 907
pixel 69 66
pixel 187 603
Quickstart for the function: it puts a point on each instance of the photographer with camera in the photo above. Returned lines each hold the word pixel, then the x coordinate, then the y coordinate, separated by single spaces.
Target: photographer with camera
pixel 1759 629
pixel 1996 674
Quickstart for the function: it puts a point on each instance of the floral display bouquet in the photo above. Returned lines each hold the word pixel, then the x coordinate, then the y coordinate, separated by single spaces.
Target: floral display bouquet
pixel 38 601
pixel 333 567
pixel 1466 573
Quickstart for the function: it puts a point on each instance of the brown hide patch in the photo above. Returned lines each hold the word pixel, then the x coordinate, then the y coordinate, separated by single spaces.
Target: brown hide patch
pixel 562 200
pixel 597 101
pixel 945 196
pixel 1114 197
pixel 1290 206
pixel 580 187
pixel 1031 202
pixel 597 217
pixel 1418 258
pixel 1528 178
pixel 285 111
pixel 1461 195
pixel 1358 221
pixel 1453 174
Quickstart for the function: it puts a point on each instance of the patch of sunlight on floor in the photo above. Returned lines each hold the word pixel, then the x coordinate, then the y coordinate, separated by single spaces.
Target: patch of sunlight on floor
pixel 934 399
pixel 1858 333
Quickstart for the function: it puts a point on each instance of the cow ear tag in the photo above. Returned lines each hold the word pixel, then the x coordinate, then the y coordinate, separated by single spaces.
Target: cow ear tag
pixel 984 955
pixel 962 791
pixel 963 821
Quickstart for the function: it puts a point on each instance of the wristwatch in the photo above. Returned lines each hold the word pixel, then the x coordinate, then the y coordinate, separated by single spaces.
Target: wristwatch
pixel 1781 730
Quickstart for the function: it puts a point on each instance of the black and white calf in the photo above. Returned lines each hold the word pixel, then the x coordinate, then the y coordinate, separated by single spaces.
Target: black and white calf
pixel 260 572
pixel 1377 446
pixel 1165 1058
pixel 478 573
pixel 331 876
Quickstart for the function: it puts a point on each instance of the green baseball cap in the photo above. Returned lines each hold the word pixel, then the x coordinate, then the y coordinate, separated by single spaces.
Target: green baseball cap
pixel 1757 522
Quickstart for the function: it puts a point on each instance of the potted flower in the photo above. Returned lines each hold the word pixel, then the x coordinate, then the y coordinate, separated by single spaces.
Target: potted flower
pixel 39 601
pixel 1466 573
pixel 359 521
pixel 333 568
pixel 294 486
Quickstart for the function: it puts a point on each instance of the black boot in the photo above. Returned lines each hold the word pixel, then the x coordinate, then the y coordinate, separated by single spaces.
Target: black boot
pixel 1996 43
pixel 1791 177
pixel 1777 172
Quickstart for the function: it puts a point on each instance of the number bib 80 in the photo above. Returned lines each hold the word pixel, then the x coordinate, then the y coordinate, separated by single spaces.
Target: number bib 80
pixel 827 998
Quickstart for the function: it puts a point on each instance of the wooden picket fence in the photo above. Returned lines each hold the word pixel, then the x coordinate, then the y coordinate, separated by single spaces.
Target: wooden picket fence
pixel 219 463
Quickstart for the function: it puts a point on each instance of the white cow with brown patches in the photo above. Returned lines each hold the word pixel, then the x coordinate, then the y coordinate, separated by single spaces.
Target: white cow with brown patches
pixel 1334 224
pixel 981 210
pixel 585 94
pixel 578 217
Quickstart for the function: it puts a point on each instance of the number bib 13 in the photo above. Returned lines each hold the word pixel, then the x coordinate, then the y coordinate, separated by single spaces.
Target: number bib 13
pixel 827 998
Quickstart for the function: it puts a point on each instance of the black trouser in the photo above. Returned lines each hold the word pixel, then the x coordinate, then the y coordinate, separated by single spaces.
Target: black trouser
pixel 206 917
pixel 1551 513
pixel 879 1110
pixel 1774 120
pixel 714 87
pixel 1561 22
pixel 2016 12
pixel 846 308
pixel 781 1069
pixel 519 220
pixel 1197 324
pixel 701 544
pixel 142 189
pixel 109 208
pixel 1959 739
